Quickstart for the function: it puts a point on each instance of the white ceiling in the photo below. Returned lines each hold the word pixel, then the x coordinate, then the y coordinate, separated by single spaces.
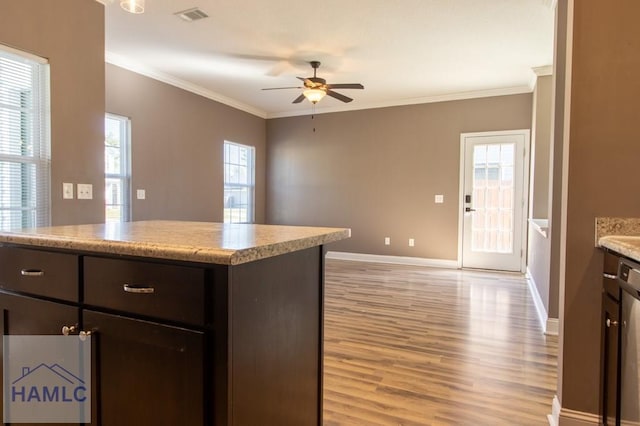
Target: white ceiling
pixel 402 51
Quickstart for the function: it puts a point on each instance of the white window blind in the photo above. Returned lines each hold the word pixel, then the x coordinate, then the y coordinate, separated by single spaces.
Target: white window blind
pixel 24 140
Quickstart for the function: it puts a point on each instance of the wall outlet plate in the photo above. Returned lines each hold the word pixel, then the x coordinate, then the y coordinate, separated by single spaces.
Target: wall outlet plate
pixel 85 191
pixel 387 241
pixel 439 199
pixel 67 191
pixel 141 194
pixel 412 242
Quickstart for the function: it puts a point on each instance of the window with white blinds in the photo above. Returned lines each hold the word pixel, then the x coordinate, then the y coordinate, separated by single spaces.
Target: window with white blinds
pixel 239 183
pixel 25 159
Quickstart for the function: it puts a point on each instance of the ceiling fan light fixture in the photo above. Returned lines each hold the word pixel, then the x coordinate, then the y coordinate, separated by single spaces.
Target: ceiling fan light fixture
pixel 314 95
pixel 132 6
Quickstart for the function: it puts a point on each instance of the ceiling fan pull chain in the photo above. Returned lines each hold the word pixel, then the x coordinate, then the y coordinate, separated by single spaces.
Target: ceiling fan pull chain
pixel 313 115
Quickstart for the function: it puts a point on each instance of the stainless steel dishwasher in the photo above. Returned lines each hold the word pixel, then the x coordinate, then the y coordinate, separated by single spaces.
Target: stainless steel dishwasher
pixel 629 280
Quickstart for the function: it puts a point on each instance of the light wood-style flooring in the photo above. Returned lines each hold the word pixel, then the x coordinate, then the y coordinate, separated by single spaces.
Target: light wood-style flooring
pixel 423 346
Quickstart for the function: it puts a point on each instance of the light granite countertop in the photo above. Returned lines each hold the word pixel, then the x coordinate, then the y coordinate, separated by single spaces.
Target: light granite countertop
pixel 203 242
pixel 621 235
pixel 625 245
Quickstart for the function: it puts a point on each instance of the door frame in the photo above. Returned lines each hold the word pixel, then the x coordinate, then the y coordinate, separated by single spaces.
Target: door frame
pixel 525 190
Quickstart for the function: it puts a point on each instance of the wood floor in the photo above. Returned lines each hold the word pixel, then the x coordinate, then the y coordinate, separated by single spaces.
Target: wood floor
pixel 422 346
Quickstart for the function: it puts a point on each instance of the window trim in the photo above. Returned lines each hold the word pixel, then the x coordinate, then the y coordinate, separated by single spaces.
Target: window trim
pixel 251 208
pixel 40 127
pixel 125 165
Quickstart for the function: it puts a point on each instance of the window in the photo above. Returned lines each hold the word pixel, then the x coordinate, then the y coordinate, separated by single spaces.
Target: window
pixel 117 172
pixel 239 183
pixel 25 160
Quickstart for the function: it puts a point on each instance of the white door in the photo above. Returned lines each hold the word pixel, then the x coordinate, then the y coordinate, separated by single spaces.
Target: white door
pixel 494 174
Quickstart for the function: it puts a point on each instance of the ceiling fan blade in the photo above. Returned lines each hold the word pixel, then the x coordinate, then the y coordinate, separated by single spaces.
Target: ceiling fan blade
pixel 280 88
pixel 298 99
pixel 339 96
pixel 346 86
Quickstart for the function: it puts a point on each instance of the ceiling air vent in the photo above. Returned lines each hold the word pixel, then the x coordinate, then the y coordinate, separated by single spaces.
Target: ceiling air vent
pixel 191 15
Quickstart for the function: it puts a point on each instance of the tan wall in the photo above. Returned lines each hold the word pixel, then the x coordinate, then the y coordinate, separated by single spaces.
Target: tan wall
pixel 70 33
pixel 540 149
pixel 377 171
pixel 177 139
pixel 602 175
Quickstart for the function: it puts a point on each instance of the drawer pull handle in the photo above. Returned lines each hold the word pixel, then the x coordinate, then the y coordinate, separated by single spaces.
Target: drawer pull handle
pixel 32 272
pixel 610 276
pixel 138 289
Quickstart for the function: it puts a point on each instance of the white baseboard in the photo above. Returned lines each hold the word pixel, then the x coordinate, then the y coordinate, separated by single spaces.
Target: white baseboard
pixel 397 260
pixel 549 325
pixel 565 417
pixel 554 417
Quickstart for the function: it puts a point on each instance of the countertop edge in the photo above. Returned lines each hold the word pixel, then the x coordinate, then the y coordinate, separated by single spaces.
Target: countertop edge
pixel 625 245
pixel 219 256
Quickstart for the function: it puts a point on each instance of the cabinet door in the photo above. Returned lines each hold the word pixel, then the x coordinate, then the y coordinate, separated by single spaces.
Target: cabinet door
pixel 145 373
pixel 611 316
pixel 27 316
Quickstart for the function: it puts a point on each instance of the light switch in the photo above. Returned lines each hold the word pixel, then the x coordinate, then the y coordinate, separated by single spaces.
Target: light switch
pixel 67 191
pixel 439 199
pixel 85 191
pixel 141 194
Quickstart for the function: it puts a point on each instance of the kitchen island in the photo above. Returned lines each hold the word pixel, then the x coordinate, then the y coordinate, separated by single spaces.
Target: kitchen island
pixel 192 323
pixel 620 240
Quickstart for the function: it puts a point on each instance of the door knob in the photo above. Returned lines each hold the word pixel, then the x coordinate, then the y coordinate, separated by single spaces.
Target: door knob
pixel 67 330
pixel 611 323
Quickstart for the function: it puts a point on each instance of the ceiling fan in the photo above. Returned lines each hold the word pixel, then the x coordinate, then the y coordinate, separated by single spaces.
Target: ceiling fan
pixel 315 88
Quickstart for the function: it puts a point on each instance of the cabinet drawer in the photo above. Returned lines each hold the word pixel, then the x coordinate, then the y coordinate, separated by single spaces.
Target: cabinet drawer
pixel 162 291
pixel 39 273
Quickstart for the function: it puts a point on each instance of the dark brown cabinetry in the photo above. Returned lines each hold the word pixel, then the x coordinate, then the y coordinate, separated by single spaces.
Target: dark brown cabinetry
pixel 145 373
pixel 177 343
pixel 23 315
pixel 610 340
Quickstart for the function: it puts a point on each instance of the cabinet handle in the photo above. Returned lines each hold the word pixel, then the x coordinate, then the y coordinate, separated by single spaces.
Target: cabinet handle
pixel 32 272
pixel 84 334
pixel 610 276
pixel 611 323
pixel 130 288
pixel 66 330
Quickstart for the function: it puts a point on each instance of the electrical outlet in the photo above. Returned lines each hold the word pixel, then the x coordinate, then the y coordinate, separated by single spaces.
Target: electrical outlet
pixel 85 191
pixel 439 199
pixel 67 191
pixel 412 242
pixel 387 241
pixel 141 194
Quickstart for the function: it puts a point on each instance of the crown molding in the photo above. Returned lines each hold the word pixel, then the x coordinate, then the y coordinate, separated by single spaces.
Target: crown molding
pixel 539 72
pixel 133 66
pixel 127 64
pixel 543 71
pixel 410 101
